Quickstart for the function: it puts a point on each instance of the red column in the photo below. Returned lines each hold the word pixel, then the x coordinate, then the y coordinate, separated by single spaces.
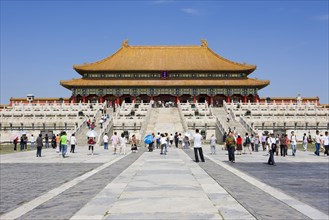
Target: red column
pixel 73 100
pixel 194 99
pixel 211 100
pixel 228 99
pixel 84 99
pixel 177 100
pixel 101 99
pixel 245 99
pixel 134 99
pixel 118 101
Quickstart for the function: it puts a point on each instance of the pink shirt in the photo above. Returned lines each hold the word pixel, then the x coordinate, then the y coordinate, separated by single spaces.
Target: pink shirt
pixel 115 139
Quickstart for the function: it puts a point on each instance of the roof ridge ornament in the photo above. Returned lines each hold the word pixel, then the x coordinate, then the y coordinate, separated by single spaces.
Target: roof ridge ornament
pixel 204 43
pixel 125 43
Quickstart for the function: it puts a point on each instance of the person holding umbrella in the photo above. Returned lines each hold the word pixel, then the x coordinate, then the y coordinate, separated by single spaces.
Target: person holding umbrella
pixel 149 139
pixel 91 140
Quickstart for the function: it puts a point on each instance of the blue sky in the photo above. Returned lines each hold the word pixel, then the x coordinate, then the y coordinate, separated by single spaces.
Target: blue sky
pixel 42 40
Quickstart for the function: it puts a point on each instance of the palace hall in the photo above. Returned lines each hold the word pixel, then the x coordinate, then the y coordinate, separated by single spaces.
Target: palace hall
pixel 165 73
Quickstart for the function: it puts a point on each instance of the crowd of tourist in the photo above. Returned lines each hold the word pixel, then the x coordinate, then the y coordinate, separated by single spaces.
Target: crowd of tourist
pixel 272 144
pixel 234 143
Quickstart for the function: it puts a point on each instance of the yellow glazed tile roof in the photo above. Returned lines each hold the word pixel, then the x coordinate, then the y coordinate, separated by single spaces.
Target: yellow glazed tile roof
pixel 168 58
pixel 163 83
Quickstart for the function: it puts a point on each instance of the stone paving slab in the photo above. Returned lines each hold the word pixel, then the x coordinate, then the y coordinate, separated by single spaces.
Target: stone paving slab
pixel 65 205
pixel 256 201
pixel 20 183
pixel 307 182
pixel 164 195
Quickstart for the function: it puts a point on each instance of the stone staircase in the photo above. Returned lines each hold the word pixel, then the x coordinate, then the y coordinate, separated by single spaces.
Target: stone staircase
pixel 164 120
pixel 221 114
pixel 81 135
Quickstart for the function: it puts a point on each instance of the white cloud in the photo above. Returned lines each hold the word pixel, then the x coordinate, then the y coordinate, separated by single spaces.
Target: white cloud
pixel 322 17
pixel 157 2
pixel 190 11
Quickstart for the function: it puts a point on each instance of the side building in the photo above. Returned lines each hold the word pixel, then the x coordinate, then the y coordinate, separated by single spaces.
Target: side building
pixel 164 73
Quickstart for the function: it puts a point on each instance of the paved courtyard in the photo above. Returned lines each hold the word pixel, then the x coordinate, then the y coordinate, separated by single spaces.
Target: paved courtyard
pixel 147 185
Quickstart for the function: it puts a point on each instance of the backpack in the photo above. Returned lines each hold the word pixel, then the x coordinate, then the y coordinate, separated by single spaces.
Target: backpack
pixel 158 140
pixel 247 140
pixel 274 147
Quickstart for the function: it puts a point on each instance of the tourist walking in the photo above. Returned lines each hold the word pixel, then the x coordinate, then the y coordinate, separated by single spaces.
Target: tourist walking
pixel 106 141
pixel 25 142
pixel 46 141
pixel 326 143
pixel 39 143
pixel 134 144
pixel 21 143
pixel 63 141
pixel 256 142
pixel 252 142
pixel 163 144
pixel 317 140
pixel 123 142
pixel 176 139
pixel 213 144
pixel 180 140
pixel 230 145
pixel 239 144
pixel 115 142
pixel 246 144
pixel 158 140
pixel 305 141
pixel 293 143
pixel 272 147
pixel 32 142
pixel 186 142
pixel 277 142
pixel 263 138
pixel 167 142
pixel 197 146
pixel 150 147
pixel 53 141
pixel 58 143
pixel 73 142
pixel 287 143
pixel 91 142
pixel 283 145
pixel 15 143
pixel 171 140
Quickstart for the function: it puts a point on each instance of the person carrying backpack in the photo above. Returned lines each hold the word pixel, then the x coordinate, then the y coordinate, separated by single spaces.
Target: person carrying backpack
pixel 246 144
pixel 230 144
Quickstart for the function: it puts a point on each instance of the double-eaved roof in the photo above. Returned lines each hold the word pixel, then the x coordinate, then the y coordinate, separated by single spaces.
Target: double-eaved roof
pixel 143 59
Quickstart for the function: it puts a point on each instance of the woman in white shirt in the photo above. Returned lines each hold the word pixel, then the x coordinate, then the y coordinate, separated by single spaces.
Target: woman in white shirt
pixel 163 143
pixel 123 142
pixel 213 144
pixel 73 142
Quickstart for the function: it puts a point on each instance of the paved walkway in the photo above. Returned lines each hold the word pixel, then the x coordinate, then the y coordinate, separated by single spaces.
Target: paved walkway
pixel 148 185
